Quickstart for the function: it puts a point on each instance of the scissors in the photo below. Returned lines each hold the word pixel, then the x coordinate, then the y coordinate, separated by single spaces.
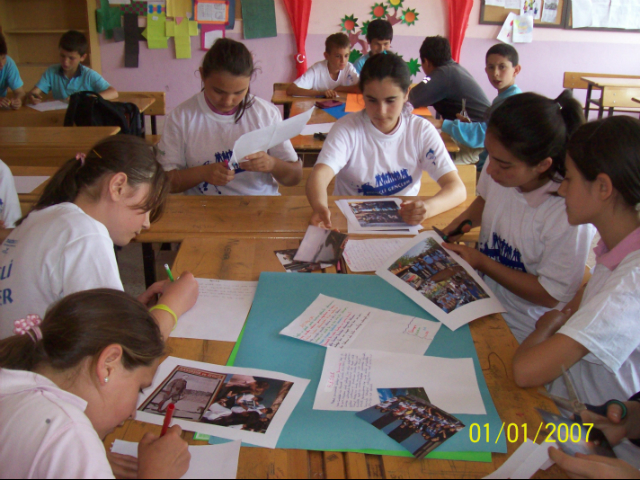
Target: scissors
pixel 574 405
pixel 464 113
pixel 455 233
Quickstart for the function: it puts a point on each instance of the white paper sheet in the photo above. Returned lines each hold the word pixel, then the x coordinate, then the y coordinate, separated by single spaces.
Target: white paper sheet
pixel 532 8
pixel 220 312
pixel 550 11
pixel 523 29
pixel 495 3
pixel 512 4
pixel 623 14
pixel 354 227
pixel 331 322
pixel 50 106
pixel 440 281
pixel 369 255
pixel 600 13
pixel 525 462
pixel 212 12
pixel 506 32
pixel 198 398
pixel 263 139
pixel 581 13
pixel 28 184
pixel 317 128
pixel 211 36
pixel 350 379
pixel 209 461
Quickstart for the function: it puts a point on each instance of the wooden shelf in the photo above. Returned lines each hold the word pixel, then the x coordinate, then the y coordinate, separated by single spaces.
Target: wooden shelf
pixel 42 32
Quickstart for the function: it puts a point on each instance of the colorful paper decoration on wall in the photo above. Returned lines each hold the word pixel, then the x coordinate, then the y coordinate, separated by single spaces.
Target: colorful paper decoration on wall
pixel 156 31
pixel 131 41
pixel 139 8
pixel 259 19
pixel 179 9
pixel 182 32
pixel 213 12
pixel 108 18
pixel 209 34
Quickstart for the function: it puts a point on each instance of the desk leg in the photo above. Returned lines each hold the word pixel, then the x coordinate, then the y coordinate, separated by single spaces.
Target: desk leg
pixel 287 110
pixel 587 105
pixel 154 125
pixel 149 261
pixel 611 111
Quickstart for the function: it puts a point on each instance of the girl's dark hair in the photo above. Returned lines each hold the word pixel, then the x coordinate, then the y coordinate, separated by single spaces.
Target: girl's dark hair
pixel 82 325
pixel 382 66
pixel 612 147
pixel 3 44
pixel 232 57
pixel 117 154
pixel 533 128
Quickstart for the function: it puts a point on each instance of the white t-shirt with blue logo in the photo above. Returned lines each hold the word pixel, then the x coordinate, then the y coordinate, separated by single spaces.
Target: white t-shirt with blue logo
pixel 10 211
pixel 370 163
pixel 319 78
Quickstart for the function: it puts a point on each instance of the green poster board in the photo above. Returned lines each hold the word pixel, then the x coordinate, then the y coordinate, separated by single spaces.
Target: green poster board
pixel 259 19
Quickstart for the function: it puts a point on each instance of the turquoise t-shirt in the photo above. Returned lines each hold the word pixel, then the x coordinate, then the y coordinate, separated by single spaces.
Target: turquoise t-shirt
pixel 9 77
pixel 360 62
pixel 85 80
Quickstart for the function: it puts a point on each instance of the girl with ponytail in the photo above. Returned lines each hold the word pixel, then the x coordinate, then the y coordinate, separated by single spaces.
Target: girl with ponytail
pixel 597 336
pixel 529 254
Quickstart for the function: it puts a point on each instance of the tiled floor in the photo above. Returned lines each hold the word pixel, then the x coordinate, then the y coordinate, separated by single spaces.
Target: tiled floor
pixel 132 270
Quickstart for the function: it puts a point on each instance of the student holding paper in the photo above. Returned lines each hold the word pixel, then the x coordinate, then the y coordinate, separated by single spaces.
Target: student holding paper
pixel 384 150
pixel 199 135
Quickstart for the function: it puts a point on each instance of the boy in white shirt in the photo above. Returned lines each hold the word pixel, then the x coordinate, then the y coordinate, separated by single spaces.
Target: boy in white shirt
pixel 332 76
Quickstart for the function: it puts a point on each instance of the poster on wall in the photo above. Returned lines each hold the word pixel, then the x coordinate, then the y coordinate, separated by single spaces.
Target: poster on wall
pixel 532 8
pixel 523 29
pixel 550 11
pixel 506 32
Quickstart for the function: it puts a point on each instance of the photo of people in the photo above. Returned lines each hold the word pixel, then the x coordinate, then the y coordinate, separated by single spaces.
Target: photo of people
pixel 240 402
pixel 431 271
pixel 383 213
pixel 409 419
pixel 286 258
pixel 321 246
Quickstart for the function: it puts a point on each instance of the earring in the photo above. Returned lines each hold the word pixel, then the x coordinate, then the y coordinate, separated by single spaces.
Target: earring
pixel 106 380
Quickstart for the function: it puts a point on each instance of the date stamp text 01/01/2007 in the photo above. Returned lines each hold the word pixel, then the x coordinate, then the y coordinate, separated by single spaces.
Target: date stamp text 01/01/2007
pixel 562 433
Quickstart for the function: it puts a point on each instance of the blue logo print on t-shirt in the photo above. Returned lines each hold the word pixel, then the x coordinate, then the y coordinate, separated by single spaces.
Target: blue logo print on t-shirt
pixel 387 184
pixel 221 157
pixel 504 253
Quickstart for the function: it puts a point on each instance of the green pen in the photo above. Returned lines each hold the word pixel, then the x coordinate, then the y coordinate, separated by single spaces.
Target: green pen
pixel 166 267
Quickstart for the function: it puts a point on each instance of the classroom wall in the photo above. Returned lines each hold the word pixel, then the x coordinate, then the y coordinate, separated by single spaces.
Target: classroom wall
pixel 544 61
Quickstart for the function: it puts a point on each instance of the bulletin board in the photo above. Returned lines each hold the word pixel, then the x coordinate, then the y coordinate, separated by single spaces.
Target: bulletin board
pixel 601 29
pixel 492 15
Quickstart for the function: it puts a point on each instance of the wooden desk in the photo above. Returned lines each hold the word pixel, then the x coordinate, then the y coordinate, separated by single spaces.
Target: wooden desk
pixel 232 258
pixel 28 117
pixel 616 93
pixel 308 144
pixel 280 97
pixel 48 146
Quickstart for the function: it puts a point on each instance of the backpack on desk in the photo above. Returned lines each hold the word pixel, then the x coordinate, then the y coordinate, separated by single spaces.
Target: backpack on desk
pixel 88 109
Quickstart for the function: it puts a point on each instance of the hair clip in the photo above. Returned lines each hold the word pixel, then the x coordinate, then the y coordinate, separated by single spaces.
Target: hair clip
pixel 27 325
pixel 81 157
pixel 97 154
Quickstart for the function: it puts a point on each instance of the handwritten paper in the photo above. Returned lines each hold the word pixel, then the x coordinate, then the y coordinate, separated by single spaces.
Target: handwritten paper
pixel 220 312
pixel 50 106
pixel 26 185
pixel 213 461
pixel 331 322
pixel 369 255
pixel 350 379
pixel 212 11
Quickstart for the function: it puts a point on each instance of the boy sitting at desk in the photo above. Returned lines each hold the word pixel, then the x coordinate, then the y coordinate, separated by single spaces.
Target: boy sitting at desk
pixel 9 78
pixel 71 76
pixel 379 36
pixel 332 76
pixel 446 85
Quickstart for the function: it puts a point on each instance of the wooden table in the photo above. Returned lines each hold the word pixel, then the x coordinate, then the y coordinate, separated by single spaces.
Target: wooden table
pixel 616 93
pixel 280 97
pixel 233 258
pixel 48 146
pixel 28 117
pixel 309 144
pixel 19 171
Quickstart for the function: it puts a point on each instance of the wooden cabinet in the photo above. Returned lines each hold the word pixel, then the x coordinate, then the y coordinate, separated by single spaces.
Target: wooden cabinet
pixel 33 29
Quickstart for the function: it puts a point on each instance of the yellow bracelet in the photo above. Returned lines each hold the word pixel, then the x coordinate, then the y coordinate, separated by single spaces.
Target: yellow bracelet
pixel 164 308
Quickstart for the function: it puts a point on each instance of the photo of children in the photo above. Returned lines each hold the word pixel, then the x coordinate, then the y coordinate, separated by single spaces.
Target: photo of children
pixel 321 246
pixel 234 401
pixel 384 213
pixel 406 416
pixel 431 271
pixel 286 258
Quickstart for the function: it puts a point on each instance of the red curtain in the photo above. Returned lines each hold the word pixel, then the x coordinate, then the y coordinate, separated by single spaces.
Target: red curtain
pixel 459 11
pixel 299 12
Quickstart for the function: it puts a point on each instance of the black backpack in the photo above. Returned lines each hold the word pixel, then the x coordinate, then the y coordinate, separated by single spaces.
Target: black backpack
pixel 88 109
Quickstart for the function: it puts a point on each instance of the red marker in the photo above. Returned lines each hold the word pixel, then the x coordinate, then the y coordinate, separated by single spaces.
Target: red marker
pixel 167 419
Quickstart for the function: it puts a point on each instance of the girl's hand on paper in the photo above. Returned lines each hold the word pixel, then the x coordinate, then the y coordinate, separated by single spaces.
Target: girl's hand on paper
pixel 181 295
pixel 166 457
pixel 322 219
pixel 470 255
pixel 414 212
pixel 331 94
pixel 259 162
pixel 219 174
pixel 592 466
pixel 123 466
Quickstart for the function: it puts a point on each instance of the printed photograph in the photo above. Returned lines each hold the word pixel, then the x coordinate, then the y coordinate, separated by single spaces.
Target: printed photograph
pixel 413 422
pixel 374 214
pixel 321 246
pixel 234 401
pixel 286 258
pixel 432 272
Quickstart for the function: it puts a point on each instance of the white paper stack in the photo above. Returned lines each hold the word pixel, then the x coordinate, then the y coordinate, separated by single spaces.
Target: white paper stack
pixel 376 217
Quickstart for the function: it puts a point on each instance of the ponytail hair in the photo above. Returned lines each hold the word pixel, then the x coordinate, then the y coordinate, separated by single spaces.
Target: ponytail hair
pixel 232 57
pixel 610 146
pixel 533 128
pixel 81 326
pixel 117 154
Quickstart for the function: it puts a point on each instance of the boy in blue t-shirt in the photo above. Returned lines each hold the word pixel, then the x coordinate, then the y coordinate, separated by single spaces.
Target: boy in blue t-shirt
pixel 379 36
pixel 9 78
pixel 71 76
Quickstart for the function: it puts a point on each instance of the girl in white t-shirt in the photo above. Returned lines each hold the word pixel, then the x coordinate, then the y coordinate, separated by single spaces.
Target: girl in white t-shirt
pixel 68 381
pixel 10 211
pixel 66 244
pixel 532 259
pixel 384 150
pixel 199 135
pixel 597 336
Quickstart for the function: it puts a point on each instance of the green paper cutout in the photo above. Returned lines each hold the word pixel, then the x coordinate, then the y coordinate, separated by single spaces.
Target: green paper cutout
pixel 108 18
pixel 414 66
pixel 182 33
pixel 354 56
pixel 259 19
pixel 156 31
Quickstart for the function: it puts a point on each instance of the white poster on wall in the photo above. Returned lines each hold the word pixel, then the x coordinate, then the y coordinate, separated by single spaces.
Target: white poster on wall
pixel 581 12
pixel 523 29
pixel 506 32
pixel 495 3
pixel 550 11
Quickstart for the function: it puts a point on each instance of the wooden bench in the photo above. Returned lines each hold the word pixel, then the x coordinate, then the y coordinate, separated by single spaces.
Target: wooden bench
pixel 574 81
pixel 429 188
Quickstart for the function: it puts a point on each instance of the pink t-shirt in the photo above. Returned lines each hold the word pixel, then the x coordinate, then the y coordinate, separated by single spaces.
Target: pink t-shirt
pixel 44 432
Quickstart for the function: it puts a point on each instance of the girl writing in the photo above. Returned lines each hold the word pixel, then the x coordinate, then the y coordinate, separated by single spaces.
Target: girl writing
pixel 597 336
pixel 200 134
pixel 65 245
pixel 384 150
pixel 70 380
pixel 532 259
